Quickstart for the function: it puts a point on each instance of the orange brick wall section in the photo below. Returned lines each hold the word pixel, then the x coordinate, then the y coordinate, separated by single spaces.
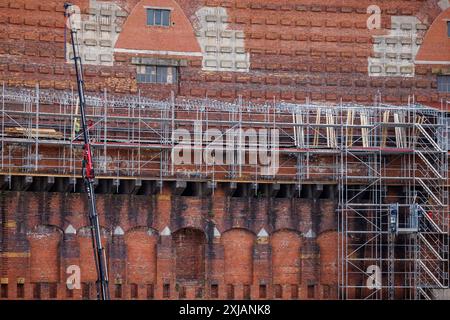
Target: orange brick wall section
pixel 189 260
pixel 315 49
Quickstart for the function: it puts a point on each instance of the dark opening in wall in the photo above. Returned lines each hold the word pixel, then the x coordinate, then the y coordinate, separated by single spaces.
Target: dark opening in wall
pixel 278 291
pixel 247 292
pixel 52 290
pixel 214 291
pixel 230 292
pixel 182 292
pixel 358 292
pixel 69 293
pixel 118 291
pixel 166 291
pixel 4 290
pixel 37 291
pixel 241 190
pixel 311 291
pixel 199 293
pixel 134 291
pixel 294 291
pixel 326 292
pixel 85 291
pixel 20 290
pixel 190 190
pixel 262 291
pixel 150 291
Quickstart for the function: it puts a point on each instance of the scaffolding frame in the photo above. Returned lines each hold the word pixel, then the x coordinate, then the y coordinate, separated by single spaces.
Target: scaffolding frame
pixel 365 150
pixel 395 247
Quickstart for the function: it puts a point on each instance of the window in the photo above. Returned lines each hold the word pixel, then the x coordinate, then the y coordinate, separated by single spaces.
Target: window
pixel 230 292
pixel 166 291
pixel 199 293
pixel 214 291
pixel 294 291
pixel 311 291
pixel 448 29
pixel 134 291
pixel 443 83
pixel 262 291
pixel 4 291
pixel 69 293
pixel 182 293
pixel 158 17
pixel 85 291
pixel 247 292
pixel 20 290
pixel 278 291
pixel 150 291
pixel 37 291
pixel 52 290
pixel 326 292
pixel 157 74
pixel 118 291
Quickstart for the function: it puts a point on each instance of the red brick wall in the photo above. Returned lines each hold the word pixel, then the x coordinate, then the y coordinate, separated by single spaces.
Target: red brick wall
pixel 315 49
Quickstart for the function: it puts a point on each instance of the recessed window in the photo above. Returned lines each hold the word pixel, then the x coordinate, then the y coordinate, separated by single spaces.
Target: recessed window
pixel 4 291
pixel 157 74
pixel 278 291
pixel 443 83
pixel 37 291
pixel 118 291
pixel 134 291
pixel 247 292
pixel 166 291
pixel 150 291
pixel 214 291
pixel 448 29
pixel 311 291
pixel 262 291
pixel 20 290
pixel 158 17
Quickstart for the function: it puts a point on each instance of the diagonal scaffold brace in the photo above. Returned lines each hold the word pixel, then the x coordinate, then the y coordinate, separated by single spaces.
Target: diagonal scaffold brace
pixel 88 167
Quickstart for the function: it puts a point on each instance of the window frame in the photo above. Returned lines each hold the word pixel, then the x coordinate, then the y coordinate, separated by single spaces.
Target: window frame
pixel 158 13
pixel 443 83
pixel 158 74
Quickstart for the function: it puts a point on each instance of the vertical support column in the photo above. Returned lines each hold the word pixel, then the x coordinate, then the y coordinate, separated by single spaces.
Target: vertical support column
pixel 36 165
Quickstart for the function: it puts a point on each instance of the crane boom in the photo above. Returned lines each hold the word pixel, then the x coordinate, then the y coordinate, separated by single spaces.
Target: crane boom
pixel 88 171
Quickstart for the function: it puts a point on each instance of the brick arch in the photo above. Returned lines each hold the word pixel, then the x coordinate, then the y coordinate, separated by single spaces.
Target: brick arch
pixel 87 262
pixel 238 256
pixel 44 241
pixel 189 246
pixel 141 243
pixel 286 245
pixel 436 44
pixel 177 38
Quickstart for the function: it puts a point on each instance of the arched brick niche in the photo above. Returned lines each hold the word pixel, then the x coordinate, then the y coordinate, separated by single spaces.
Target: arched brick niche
pixel 238 256
pixel 141 255
pixel 45 255
pixel 189 246
pixel 286 246
pixel 87 262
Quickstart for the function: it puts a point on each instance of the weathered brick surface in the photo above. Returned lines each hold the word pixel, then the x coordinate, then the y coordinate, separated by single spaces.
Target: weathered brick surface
pixel 317 50
pixel 186 243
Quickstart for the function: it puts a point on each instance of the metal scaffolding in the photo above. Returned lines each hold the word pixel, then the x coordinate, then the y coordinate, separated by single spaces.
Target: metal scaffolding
pixel 389 162
pixel 394 246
